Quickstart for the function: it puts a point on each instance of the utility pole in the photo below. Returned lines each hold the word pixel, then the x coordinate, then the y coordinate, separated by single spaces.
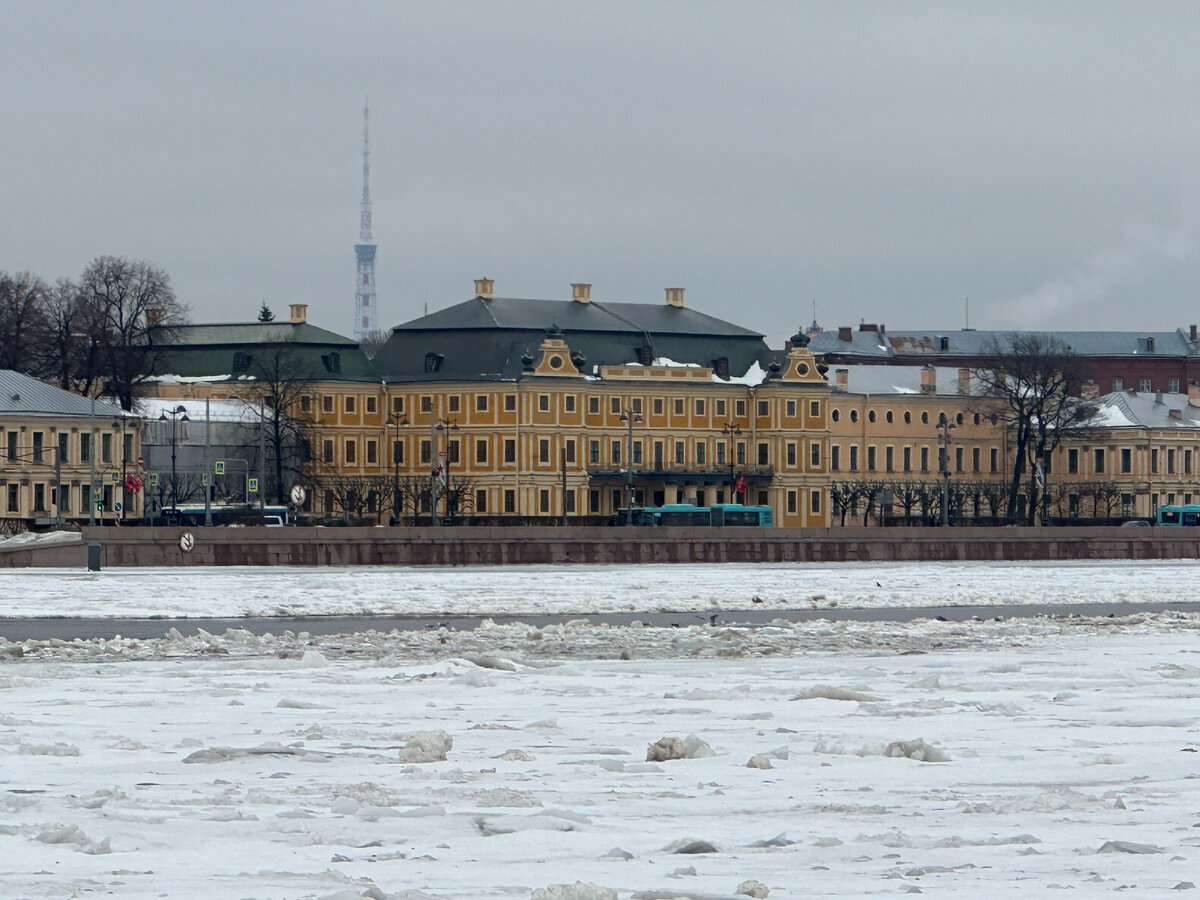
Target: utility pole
pixel 944 427
pixel 629 417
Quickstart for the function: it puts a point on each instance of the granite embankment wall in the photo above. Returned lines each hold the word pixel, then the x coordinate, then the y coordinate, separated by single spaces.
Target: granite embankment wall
pixel 494 546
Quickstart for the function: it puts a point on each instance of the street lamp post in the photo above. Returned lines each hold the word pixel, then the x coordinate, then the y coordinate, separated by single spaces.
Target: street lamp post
pixel 124 464
pixel 629 417
pixel 176 415
pixel 944 427
pixel 729 430
pixel 396 424
pixel 446 425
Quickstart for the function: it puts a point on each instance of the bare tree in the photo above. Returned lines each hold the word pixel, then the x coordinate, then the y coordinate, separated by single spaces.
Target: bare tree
pixel 130 297
pixel 372 341
pixel 22 321
pixel 281 383
pixel 1031 375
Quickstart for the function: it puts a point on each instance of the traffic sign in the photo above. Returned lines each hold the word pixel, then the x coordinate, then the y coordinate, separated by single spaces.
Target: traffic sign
pixel 153 479
pixel 219 467
pixel 141 462
pixel 298 494
pixel 187 541
pixel 205 479
pixel 252 486
pixel 114 476
pixel 117 507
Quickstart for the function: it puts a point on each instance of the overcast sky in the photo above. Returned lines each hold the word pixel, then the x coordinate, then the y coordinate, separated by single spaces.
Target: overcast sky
pixel 884 160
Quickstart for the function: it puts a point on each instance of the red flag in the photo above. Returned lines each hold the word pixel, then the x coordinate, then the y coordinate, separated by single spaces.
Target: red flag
pixel 739 486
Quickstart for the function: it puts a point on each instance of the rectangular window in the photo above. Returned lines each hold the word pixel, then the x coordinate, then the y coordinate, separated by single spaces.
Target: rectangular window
pixel 701 453
pixel 814 455
pixel 739 408
pixel 741 453
pixel 426 453
pixel 127 448
pixel 871 458
pixel 719 407
pixel 510 450
pixel 791 501
pixel 958 459
pixel 924 459
pixel 616 452
pixel 569 502
pixel 995 460
pixel 594 405
pixel 327 403
pixel 814 503
pixel 543 501
pixel 1173 385
pixel 12 446
pixel 14 504
pixel 1187 462
pixel 397 452
pixel 700 407
pixel 452 455
pixel 481 450
pixel 975 459
pixel 763 458
pixel 908 459
pixel 481 402
pixel 372 453
pixel 790 453
pixel 85 497
pixel 1098 461
pixel 481 501
pixel 543 450
pixel 854 457
pixel 790 409
pixel 452 403
pixel 37 446
pixel 510 500
pixel 656 406
pixel 1154 462
pixel 637 453
pixel 814 409
pixel 327 451
pixel 637 404
pixel 39 498
pixel 543 403
pixel 569 403
pixel 614 405
pixel 351 449
pixel 835 461
pixel 594 501
pixel 1118 384
pixel 570 448
pixel 426 404
pixel 889 460
pixel 85 448
pixel 350 404
pixel 677 406
pixel 61 497
pixel 370 404
pixel 1126 460
pixel 679 452
pixel 764 408
pixel 1144 385
pixel 510 402
pixel 1072 461
pixel 64 456
pixel 593 452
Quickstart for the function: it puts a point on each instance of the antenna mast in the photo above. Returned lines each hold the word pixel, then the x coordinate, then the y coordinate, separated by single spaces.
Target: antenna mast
pixel 365 321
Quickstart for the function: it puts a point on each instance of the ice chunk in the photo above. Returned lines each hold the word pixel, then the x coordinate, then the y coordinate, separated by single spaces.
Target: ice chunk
pixel 578 891
pixel 427 746
pixel 918 750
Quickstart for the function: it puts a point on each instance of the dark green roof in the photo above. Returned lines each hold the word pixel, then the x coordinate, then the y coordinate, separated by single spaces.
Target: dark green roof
pixel 233 349
pixel 482 339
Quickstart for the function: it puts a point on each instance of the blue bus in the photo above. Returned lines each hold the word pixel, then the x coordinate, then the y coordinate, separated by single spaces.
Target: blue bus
pixel 1178 515
pixel 684 514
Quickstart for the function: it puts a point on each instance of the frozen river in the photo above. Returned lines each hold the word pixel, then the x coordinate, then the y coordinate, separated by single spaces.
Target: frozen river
pixel 984 758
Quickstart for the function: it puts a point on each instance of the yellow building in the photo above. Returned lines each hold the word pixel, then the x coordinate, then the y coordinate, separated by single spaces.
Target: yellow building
pixel 65 458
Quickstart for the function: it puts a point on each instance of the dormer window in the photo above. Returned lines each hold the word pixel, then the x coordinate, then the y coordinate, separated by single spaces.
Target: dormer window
pixel 241 362
pixel 433 362
pixel 721 367
pixel 332 361
pixel 943 343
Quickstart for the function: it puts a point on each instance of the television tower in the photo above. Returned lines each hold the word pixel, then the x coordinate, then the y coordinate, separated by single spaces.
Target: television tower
pixel 365 320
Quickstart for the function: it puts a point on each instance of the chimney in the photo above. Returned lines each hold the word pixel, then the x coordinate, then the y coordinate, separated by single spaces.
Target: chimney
pixel 867 326
pixel 675 297
pixel 1192 332
pixel 928 380
pixel 581 293
pixel 154 317
pixel 1193 394
pixel 1090 390
pixel 299 313
pixel 841 380
pixel 845 333
pixel 964 381
pixel 1175 413
pixel 1158 397
pixel 483 288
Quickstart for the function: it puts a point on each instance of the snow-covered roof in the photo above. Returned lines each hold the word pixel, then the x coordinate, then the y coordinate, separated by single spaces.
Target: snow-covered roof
pixel 198 410
pixel 1148 409
pixel 899 380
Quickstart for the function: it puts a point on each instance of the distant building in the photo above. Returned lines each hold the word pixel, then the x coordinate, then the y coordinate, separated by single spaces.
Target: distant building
pixel 63 454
